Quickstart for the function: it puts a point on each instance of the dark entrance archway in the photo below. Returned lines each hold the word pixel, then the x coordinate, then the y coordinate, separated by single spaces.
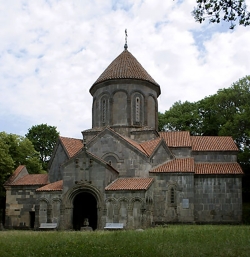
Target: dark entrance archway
pixel 85 206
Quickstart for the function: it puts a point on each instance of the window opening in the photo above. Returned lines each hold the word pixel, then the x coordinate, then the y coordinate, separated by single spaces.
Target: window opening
pixel 137 109
pixel 172 196
pixel 104 110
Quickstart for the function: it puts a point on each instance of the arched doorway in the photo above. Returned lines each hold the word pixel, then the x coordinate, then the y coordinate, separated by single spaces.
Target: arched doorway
pixel 85 206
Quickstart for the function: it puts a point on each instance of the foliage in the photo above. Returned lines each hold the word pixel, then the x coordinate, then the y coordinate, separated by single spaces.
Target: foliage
pixel 44 138
pixel 174 240
pixel 181 116
pixel 16 150
pixel 226 10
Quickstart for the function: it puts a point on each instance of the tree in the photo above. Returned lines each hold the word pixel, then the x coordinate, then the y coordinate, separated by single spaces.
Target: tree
pixel 44 138
pixel 15 150
pixel 217 10
pixel 181 116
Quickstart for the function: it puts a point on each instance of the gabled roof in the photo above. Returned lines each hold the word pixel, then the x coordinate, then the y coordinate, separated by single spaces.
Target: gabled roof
pixel 16 173
pixel 71 145
pixel 176 165
pixel 56 186
pixel 31 180
pixel 130 184
pixel 149 146
pixel 125 66
pixel 218 168
pixel 176 138
pixel 213 143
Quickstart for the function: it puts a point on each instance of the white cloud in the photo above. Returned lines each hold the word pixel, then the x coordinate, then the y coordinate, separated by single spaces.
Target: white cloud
pixel 51 52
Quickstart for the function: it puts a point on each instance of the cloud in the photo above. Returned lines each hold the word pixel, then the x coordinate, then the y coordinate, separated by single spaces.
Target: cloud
pixel 52 52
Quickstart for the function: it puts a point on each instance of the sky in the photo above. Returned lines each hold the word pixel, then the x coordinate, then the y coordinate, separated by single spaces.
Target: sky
pixel 51 53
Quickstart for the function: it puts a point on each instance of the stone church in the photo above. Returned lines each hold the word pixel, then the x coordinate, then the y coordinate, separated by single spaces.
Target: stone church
pixel 124 170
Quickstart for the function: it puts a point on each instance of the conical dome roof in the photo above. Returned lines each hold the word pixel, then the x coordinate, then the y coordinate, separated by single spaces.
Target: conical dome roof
pixel 125 66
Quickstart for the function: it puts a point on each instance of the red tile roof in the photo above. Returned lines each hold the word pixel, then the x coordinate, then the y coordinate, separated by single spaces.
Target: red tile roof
pixel 218 168
pixel 176 165
pixel 72 145
pixel 130 184
pixel 32 180
pixel 149 146
pixel 15 174
pixel 125 66
pixel 213 143
pixel 56 186
pixel 176 138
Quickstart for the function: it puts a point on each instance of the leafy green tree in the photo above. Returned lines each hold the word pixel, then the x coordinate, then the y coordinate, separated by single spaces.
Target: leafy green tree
pixel 44 138
pixel 181 116
pixel 15 150
pixel 217 10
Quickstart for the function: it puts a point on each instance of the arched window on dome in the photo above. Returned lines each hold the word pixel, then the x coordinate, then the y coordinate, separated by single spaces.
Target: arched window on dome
pixel 137 109
pixel 104 111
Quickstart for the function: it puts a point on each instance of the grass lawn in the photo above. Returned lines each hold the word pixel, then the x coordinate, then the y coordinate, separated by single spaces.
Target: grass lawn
pixel 174 240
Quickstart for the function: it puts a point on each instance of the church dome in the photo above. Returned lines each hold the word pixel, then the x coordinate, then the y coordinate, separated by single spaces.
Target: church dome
pixel 125 66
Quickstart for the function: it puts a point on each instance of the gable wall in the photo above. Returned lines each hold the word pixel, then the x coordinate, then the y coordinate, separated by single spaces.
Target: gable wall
pixel 160 156
pixel 86 169
pixel 55 172
pixel 131 163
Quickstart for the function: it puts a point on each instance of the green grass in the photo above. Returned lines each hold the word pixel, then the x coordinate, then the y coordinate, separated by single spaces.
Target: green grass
pixel 174 240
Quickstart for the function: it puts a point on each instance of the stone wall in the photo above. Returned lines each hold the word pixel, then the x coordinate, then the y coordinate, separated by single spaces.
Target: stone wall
pixel 20 206
pixel 214 156
pixel 114 103
pixel 48 207
pixel 132 208
pixel 217 198
pixel 173 199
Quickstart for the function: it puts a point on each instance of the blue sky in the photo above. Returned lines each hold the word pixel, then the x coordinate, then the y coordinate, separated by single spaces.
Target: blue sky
pixel 51 52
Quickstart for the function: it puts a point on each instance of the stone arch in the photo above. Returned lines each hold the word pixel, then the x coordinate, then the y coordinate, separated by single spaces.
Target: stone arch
pixel 152 111
pixel 123 208
pixel 90 194
pixel 120 107
pixel 104 109
pixel 136 212
pixel 43 210
pixel 94 111
pixel 172 188
pixel 55 212
pixel 112 159
pixel 111 209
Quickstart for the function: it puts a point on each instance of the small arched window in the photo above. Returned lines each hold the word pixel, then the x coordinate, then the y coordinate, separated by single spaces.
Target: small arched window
pixel 137 109
pixel 104 110
pixel 172 196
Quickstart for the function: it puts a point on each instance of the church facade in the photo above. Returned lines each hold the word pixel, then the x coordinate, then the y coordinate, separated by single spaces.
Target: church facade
pixel 124 171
